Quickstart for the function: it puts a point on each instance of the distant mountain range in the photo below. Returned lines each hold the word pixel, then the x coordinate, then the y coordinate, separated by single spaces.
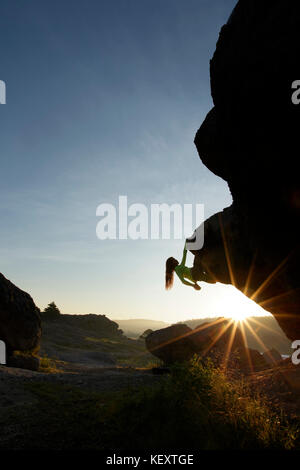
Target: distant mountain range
pixel 134 328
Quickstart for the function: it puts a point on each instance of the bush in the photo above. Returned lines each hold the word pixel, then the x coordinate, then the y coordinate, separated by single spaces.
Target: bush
pixel 197 407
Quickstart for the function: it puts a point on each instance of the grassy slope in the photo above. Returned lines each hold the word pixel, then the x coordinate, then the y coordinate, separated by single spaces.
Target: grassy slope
pixel 70 339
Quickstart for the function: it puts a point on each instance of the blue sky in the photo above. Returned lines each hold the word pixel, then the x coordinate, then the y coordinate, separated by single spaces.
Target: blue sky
pixel 104 98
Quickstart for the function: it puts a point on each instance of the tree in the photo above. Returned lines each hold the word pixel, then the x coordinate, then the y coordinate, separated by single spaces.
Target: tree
pixel 52 311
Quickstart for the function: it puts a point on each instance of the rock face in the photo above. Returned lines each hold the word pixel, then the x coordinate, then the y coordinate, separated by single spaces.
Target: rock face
pixel 250 139
pixel 20 325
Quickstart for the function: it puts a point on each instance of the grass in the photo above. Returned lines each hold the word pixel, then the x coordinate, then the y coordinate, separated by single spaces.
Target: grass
pixel 195 407
pixel 49 365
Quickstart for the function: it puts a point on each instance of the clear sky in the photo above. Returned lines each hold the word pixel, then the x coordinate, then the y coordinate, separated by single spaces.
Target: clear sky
pixel 104 98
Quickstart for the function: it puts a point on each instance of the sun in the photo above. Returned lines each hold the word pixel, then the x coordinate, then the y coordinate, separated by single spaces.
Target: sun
pixel 238 317
pixel 235 305
pixel 213 301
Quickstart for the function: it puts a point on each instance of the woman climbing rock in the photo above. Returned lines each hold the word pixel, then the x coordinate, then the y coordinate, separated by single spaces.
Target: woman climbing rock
pixel 184 273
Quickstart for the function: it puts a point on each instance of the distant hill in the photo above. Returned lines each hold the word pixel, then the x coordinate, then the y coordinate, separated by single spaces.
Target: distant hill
pixel 90 340
pixel 135 327
pixel 266 328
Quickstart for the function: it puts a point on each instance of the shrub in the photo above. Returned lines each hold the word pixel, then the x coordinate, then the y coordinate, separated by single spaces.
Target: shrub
pixel 197 407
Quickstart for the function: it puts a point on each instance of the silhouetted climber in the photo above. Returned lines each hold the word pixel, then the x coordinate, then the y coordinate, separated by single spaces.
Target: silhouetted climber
pixel 183 272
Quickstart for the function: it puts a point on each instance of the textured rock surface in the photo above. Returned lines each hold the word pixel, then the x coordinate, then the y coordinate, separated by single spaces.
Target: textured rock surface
pixel 20 325
pixel 250 139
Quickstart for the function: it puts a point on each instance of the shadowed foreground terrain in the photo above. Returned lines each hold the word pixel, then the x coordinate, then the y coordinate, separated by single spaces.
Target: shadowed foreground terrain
pixel 96 389
pixel 196 406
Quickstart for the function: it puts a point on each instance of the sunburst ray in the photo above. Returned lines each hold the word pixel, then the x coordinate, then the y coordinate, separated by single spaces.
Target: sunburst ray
pixel 229 344
pixel 250 273
pixel 226 249
pixel 260 342
pixel 278 297
pixel 269 278
pixel 242 324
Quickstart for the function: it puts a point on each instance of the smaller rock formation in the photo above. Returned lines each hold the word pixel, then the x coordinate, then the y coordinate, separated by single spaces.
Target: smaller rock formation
pixel 172 344
pixel 20 324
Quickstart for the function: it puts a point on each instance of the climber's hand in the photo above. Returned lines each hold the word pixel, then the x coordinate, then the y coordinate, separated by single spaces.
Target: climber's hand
pixel 196 287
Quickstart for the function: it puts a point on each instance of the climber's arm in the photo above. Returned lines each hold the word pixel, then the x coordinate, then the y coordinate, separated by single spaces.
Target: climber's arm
pixel 184 256
pixel 184 281
pixel 187 283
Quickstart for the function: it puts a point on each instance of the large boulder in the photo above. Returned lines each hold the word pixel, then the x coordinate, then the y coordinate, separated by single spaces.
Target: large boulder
pixel 20 324
pixel 171 344
pixel 221 340
pixel 250 139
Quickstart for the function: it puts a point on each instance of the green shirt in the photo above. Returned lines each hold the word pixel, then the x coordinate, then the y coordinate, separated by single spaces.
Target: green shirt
pixel 183 272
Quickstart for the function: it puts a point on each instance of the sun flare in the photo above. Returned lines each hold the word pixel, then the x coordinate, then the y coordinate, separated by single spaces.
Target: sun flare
pixel 237 306
pixel 229 302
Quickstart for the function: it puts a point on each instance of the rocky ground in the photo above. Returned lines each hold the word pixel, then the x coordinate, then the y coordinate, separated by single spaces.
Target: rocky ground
pixel 13 381
pixel 77 359
pixel 281 385
pixel 18 397
pixel 30 400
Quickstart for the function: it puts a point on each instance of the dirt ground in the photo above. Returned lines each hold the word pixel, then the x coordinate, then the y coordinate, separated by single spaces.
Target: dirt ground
pixel 12 380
